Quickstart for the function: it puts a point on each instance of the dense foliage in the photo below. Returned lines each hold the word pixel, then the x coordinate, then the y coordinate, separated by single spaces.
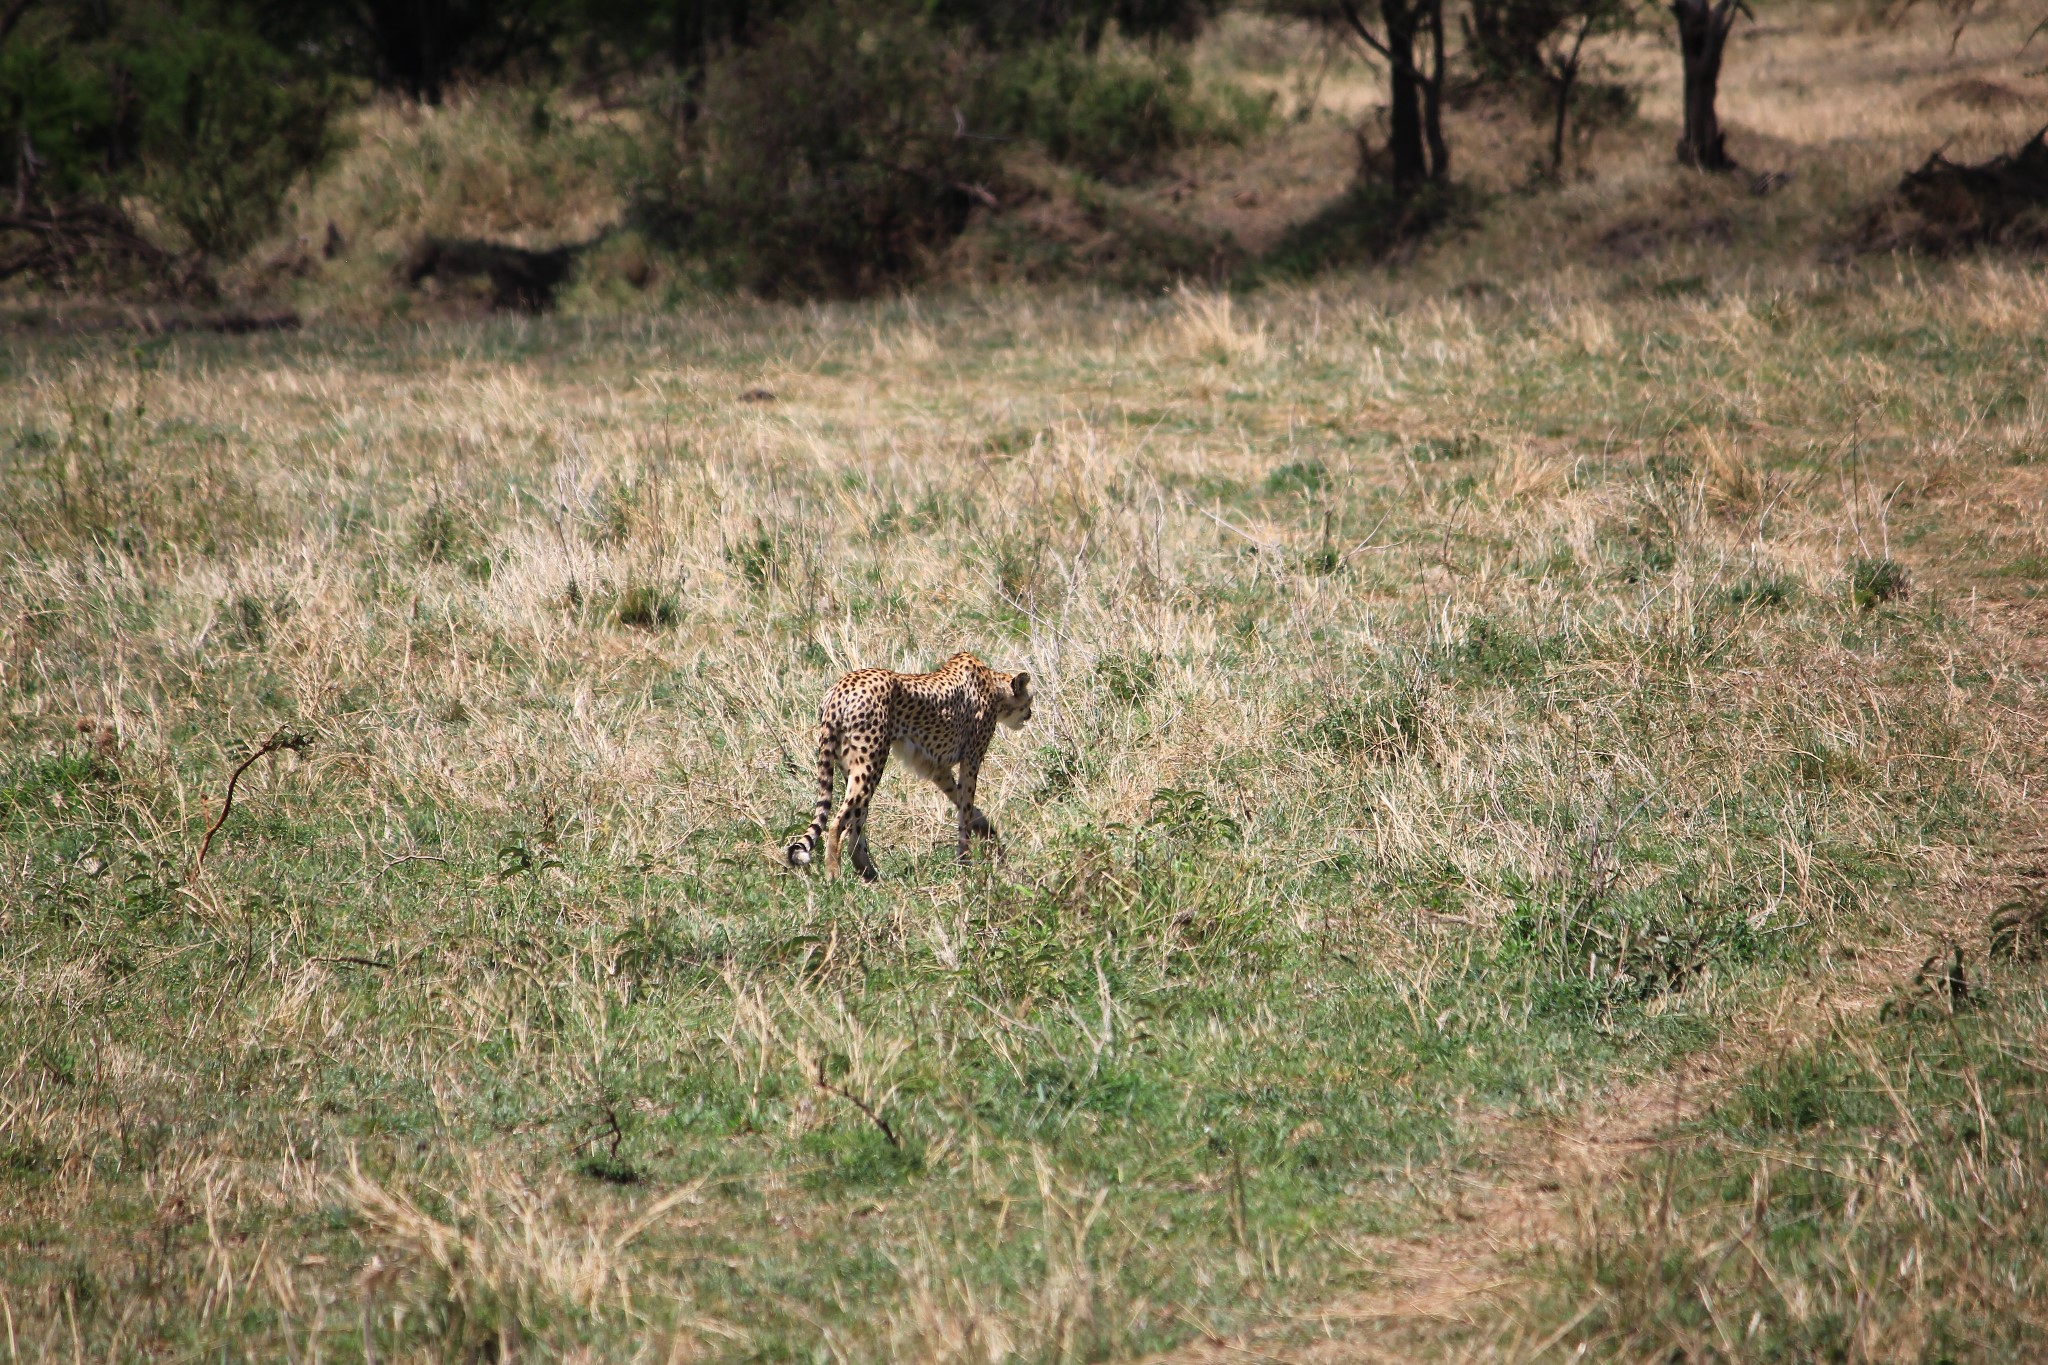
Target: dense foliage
pixel 798 147
pixel 842 190
pixel 188 106
pixel 1113 115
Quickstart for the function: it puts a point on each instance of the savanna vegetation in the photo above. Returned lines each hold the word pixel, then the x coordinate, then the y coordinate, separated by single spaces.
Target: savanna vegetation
pixel 1531 845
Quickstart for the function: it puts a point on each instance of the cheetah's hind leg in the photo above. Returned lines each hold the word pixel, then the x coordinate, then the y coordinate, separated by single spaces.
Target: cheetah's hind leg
pixel 863 774
pixel 800 850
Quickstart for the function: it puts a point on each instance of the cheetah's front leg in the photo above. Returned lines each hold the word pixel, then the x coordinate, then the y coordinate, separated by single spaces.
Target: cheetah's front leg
pixel 972 821
pixel 942 778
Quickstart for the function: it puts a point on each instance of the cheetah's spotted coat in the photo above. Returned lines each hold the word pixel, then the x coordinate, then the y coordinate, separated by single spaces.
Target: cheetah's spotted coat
pixel 929 720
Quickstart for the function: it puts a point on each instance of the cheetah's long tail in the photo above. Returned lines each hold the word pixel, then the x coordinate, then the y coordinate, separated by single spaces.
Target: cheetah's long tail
pixel 828 758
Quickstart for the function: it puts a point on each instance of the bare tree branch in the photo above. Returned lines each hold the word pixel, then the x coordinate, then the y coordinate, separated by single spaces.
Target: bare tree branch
pixel 1365 35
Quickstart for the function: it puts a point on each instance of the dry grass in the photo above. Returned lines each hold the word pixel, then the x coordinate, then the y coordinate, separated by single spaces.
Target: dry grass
pixel 1366 679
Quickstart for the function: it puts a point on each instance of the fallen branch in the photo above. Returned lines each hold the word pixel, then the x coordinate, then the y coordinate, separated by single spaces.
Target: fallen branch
pixel 282 739
pixel 860 1104
pixel 607 1131
pixel 402 860
pixel 61 235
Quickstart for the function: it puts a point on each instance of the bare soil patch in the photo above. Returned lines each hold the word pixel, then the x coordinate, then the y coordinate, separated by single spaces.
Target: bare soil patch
pixel 1444 1291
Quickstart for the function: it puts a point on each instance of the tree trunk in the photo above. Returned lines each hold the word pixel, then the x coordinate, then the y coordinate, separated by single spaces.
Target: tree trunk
pixel 1433 97
pixel 1564 78
pixel 1702 36
pixel 1404 139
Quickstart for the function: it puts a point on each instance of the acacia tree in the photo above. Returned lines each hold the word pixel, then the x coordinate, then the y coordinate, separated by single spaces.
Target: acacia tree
pixel 1410 40
pixel 1702 37
pixel 1561 59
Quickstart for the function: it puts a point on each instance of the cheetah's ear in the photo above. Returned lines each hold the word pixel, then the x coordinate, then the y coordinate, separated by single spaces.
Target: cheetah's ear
pixel 1018 682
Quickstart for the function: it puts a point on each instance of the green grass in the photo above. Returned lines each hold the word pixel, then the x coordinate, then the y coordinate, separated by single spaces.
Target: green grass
pixel 1869 1195
pixel 1384 783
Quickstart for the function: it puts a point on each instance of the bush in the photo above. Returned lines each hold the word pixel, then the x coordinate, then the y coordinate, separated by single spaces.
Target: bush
pixel 59 105
pixel 228 131
pixel 646 606
pixel 1507 40
pixel 1128 678
pixel 1115 114
pixel 1872 581
pixel 1013 23
pixel 825 160
pixel 203 118
pixel 448 533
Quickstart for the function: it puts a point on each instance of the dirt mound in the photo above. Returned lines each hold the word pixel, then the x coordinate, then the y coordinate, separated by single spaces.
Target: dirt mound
pixel 1634 238
pixel 1053 225
pixel 1976 93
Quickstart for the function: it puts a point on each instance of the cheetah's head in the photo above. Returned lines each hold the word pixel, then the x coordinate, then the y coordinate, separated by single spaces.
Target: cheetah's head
pixel 1013 699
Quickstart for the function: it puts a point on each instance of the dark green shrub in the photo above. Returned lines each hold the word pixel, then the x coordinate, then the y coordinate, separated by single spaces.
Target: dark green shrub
pixel 1191 814
pixel 645 606
pixel 826 159
pixel 1116 116
pixel 1592 947
pixel 1383 727
pixel 1532 47
pixel 419 49
pixel 1128 678
pixel 1763 590
pixel 229 130
pixel 1872 581
pixel 1507 40
pixel 52 95
pixel 446 532
pixel 194 112
pixel 757 557
pixel 1014 23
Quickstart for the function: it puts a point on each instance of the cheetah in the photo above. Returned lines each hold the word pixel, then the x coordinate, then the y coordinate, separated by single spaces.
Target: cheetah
pixel 929 720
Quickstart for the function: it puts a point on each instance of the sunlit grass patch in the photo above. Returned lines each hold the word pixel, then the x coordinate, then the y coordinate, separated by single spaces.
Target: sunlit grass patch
pixel 1436 720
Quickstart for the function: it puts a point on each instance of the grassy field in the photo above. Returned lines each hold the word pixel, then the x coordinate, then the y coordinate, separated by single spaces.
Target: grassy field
pixel 1462 712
